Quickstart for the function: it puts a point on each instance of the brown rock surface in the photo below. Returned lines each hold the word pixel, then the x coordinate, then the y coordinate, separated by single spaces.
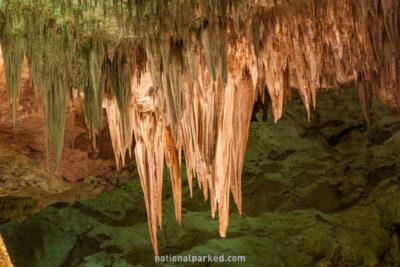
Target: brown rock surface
pixel 25 184
pixel 4 258
pixel 79 158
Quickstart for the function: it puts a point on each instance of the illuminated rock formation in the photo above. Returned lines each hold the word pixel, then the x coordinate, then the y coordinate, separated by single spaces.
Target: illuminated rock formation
pixel 185 75
pixel 4 258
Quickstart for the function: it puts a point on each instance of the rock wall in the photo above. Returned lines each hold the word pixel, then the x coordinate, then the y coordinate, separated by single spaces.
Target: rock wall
pixel 26 185
pixel 28 136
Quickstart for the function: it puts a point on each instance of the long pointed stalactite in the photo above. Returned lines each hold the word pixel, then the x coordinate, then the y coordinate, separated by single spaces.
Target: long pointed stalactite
pixel 181 77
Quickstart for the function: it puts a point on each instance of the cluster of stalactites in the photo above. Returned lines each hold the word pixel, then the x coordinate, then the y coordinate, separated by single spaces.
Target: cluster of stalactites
pixel 211 129
pixel 202 98
pixel 188 86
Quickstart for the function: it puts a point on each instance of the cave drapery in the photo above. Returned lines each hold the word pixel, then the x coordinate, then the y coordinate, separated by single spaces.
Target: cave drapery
pixel 182 76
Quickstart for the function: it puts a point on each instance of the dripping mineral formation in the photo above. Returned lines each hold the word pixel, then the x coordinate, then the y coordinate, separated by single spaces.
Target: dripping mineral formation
pixel 181 77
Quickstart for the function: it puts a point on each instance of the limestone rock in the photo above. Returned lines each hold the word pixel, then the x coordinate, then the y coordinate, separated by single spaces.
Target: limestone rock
pixel 4 258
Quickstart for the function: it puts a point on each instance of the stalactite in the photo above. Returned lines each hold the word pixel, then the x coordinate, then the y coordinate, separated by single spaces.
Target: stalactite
pixel 173 160
pixel 13 47
pixel 183 75
pixel 149 152
pixel 1 61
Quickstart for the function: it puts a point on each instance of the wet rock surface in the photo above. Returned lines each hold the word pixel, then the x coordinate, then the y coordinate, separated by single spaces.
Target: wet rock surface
pixel 318 193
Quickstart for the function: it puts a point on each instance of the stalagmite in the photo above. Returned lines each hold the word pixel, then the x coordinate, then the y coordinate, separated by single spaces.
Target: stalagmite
pixel 182 77
pixel 5 260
